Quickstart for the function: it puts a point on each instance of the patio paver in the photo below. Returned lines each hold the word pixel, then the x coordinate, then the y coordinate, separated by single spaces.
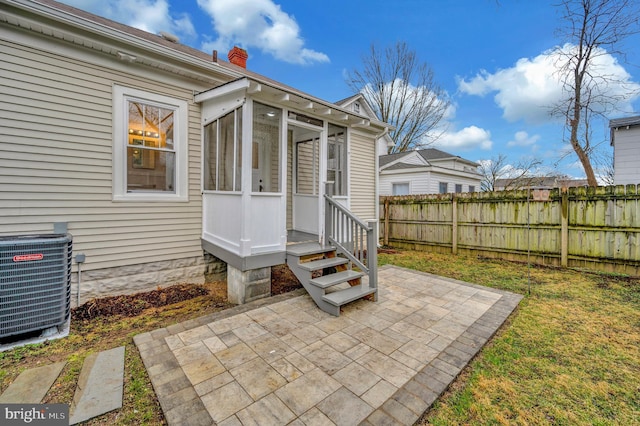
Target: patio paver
pixel 281 360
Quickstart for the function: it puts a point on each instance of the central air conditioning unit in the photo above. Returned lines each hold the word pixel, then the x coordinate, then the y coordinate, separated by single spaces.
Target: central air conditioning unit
pixel 35 283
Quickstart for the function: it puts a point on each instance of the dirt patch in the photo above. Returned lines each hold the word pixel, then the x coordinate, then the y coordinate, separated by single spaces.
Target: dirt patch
pixel 131 305
pixel 283 280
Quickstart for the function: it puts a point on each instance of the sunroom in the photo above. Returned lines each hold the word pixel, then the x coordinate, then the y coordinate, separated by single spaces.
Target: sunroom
pixel 269 157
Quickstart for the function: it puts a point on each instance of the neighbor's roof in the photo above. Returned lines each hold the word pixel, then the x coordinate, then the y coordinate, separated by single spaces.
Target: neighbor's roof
pixel 623 122
pixel 428 154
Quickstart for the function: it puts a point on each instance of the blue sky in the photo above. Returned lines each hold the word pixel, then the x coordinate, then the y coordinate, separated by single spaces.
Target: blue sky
pixel 491 56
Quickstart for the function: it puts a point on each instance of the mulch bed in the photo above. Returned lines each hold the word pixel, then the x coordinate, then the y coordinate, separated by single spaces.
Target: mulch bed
pixel 130 305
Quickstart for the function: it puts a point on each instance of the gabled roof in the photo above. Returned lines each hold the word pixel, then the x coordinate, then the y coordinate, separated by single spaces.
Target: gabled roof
pixel 131 44
pixel 428 154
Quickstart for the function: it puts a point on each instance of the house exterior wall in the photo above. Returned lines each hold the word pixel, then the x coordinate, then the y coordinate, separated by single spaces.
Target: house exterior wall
pixel 419 182
pixel 626 154
pixel 56 156
pixel 362 174
pixel 423 181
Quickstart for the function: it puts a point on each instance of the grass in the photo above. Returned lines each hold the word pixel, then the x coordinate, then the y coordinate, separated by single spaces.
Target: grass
pixel 570 354
pixel 140 406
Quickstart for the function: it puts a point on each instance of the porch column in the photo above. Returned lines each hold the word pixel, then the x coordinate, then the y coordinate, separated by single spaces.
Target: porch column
pixel 246 286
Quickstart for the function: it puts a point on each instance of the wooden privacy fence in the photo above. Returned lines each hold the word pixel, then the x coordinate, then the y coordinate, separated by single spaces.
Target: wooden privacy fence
pixel 597 228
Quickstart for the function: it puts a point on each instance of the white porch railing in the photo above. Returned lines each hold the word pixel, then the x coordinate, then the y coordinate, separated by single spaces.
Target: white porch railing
pixel 352 237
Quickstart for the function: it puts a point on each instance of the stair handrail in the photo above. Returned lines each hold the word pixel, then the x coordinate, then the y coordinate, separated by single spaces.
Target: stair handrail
pixel 339 219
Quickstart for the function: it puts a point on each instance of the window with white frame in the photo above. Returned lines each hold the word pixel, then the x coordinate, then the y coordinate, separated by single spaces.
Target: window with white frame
pixel 472 188
pixel 400 188
pixel 443 187
pixel 458 188
pixel 222 151
pixel 150 146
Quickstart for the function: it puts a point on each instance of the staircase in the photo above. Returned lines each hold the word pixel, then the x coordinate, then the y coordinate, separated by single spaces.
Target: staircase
pixel 323 274
pixel 323 269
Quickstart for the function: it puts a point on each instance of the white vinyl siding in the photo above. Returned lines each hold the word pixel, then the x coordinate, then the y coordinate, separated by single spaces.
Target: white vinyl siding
pixel 626 154
pixel 362 175
pixel 425 182
pixel 56 161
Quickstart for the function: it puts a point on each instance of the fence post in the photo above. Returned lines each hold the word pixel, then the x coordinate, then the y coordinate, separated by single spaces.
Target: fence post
pixel 386 222
pixel 564 228
pixel 454 225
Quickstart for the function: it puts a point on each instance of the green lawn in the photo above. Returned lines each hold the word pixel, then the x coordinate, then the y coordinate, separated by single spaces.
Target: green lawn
pixel 570 354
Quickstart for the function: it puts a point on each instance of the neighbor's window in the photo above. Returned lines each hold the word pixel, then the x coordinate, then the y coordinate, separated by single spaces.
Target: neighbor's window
pixel 337 159
pixel 223 153
pixel 400 188
pixel 472 188
pixel 458 188
pixel 266 148
pixel 150 146
pixel 443 188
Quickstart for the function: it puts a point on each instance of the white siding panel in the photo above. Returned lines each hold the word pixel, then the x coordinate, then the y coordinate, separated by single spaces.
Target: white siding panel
pixel 626 155
pixel 56 160
pixel 362 171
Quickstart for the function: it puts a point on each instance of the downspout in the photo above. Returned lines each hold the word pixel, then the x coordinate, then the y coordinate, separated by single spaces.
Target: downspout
pixel 377 180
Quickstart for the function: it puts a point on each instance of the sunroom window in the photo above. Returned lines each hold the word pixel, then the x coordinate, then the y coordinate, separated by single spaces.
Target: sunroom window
pixel 223 153
pixel 337 159
pixel 266 148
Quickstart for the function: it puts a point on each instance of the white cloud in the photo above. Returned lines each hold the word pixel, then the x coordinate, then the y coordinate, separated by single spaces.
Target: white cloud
pixel 471 137
pixel 522 139
pixel 531 87
pixel 148 15
pixel 261 24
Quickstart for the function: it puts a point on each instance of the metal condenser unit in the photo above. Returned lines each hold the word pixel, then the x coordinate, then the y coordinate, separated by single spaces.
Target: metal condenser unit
pixel 35 282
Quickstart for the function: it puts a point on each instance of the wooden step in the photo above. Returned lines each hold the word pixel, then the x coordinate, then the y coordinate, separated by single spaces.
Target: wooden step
pixel 306 249
pixel 337 278
pixel 342 297
pixel 323 263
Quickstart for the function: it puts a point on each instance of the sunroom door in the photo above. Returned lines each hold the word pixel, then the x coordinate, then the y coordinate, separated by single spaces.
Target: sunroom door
pixel 306 183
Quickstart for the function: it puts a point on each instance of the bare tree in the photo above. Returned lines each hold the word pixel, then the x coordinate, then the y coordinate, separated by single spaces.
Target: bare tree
pixel 514 176
pixel 403 93
pixel 592 28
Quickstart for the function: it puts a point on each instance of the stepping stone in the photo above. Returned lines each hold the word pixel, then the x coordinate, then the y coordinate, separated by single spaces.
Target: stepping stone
pixel 32 385
pixel 100 385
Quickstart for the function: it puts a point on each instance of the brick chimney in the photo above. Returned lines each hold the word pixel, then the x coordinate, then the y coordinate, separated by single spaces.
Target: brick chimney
pixel 238 56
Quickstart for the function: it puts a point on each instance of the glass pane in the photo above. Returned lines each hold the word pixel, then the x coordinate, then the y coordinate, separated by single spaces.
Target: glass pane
pixel 165 127
pixel 150 156
pixel 210 156
pixel 226 153
pixel 266 148
pixel 150 170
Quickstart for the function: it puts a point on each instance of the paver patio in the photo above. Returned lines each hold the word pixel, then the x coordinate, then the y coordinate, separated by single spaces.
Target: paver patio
pixel 282 360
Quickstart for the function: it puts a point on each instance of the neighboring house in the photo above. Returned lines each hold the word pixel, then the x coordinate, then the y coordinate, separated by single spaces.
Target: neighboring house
pixel 625 139
pixel 427 171
pixel 538 182
pixel 161 160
